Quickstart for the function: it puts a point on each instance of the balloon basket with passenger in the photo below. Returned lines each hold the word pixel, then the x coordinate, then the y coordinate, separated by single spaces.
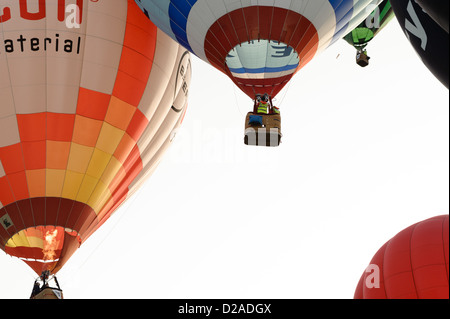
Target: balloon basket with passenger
pixel 42 288
pixel 263 124
pixel 362 59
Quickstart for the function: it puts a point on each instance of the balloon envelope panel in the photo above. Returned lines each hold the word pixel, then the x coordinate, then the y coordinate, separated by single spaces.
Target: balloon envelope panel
pixel 414 264
pixel 214 29
pixel 90 97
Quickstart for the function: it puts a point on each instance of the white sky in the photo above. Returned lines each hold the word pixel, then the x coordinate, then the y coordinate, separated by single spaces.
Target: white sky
pixel 365 154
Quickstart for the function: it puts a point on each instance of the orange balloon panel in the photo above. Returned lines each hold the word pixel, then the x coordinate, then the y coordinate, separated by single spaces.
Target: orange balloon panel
pixel 91 93
pixel 412 265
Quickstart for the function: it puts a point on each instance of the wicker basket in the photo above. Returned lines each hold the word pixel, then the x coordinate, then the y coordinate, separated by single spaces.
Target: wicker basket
pixel 362 59
pixel 49 293
pixel 262 129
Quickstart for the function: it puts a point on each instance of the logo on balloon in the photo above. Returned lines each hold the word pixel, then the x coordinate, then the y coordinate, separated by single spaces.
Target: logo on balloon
pixel 6 221
pixel 183 77
pixel 69 16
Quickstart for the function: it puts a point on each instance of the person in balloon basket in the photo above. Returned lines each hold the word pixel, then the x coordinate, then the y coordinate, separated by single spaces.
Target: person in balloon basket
pixel 36 289
pixel 263 104
pixel 275 109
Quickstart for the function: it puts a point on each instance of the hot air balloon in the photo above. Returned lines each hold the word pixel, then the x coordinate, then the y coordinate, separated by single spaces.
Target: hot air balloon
pixel 360 37
pixel 91 95
pixel 429 40
pixel 414 264
pixel 260 45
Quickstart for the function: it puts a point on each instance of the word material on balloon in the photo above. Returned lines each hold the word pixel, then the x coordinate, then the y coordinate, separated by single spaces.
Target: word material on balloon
pixel 54 43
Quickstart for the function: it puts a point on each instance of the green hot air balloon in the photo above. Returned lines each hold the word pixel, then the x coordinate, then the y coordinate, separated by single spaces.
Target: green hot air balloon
pixel 368 29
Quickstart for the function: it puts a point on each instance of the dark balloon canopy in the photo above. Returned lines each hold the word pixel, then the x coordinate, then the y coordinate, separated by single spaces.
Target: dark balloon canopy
pixel 438 10
pixel 426 36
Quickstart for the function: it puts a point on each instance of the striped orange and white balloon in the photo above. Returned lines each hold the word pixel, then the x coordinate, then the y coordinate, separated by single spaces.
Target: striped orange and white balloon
pixel 91 93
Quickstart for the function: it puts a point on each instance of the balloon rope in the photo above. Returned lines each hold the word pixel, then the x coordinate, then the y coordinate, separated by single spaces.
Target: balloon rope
pixel 236 99
pixel 286 89
pixel 130 202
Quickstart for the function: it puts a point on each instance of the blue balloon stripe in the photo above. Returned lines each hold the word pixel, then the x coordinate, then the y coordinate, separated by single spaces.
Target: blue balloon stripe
pixel 173 17
pixel 342 8
pixel 179 13
pixel 342 27
pixel 344 13
pixel 264 70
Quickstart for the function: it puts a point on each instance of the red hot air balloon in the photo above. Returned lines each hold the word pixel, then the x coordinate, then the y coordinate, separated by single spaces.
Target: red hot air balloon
pixel 90 98
pixel 259 45
pixel 412 265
